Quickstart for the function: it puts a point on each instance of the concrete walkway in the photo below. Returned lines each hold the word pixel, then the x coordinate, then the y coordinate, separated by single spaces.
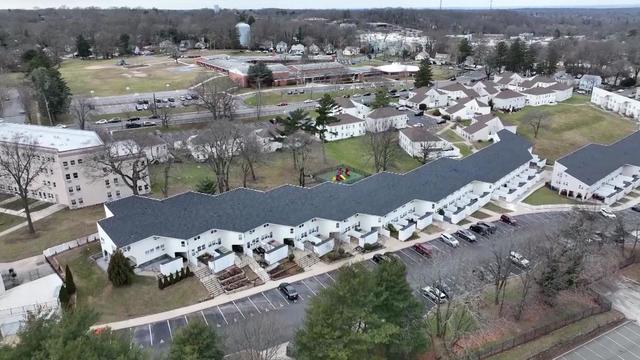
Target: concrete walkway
pixel 35 216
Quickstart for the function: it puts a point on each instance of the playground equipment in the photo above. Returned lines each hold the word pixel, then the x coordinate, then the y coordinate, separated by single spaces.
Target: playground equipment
pixel 340 176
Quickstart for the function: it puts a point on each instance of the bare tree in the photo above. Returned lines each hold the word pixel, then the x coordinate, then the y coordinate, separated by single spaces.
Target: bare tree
pixel 164 114
pixel 426 148
pixel 300 145
pixel 216 98
pixel 383 149
pixel 176 154
pixel 527 280
pixel 21 163
pixel 499 269
pixel 218 145
pixel 536 119
pixel 250 151
pixel 25 96
pixel 122 158
pixel 258 339
pixel 173 52
pixel 81 107
pixel 4 92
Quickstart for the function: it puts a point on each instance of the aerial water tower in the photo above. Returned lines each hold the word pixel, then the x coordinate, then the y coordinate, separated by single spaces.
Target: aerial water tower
pixel 244 33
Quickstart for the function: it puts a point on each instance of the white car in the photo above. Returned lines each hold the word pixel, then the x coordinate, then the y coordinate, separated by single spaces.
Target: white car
pixel 434 294
pixel 607 213
pixel 102 121
pixel 518 259
pixel 449 240
pixel 308 101
pixel 62 126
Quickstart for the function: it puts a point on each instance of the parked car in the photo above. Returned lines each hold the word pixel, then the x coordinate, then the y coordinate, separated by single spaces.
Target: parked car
pixel 153 117
pixel 466 235
pixel 133 119
pixel 449 240
pixel 283 104
pixel 308 101
pixel 172 99
pixel 508 219
pixel 636 208
pixel 479 229
pixel 132 125
pixel 188 97
pixel 62 126
pixel 380 258
pixel 490 227
pixel 607 213
pixel 423 249
pixel 288 291
pixel 139 107
pixel 419 113
pixel 442 286
pixel 114 120
pixel 518 259
pixel 148 123
pixel 102 121
pixel 434 294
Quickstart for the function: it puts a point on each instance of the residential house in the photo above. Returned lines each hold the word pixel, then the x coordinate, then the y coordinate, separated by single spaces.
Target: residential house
pixel 348 126
pixel 563 91
pixel 466 108
pixel 484 128
pixel 385 118
pixel 422 56
pixel 457 91
pixel 350 51
pixel 564 78
pixel 604 173
pixel 253 223
pixel 537 96
pixel 588 82
pixel 536 81
pixel 314 49
pixel 421 143
pixel 70 178
pixel 509 100
pixel 351 107
pixel 297 49
pixel 153 146
pixel 615 102
pixel 441 59
pixel 486 90
pixel 426 97
pixel 269 138
pixel 282 47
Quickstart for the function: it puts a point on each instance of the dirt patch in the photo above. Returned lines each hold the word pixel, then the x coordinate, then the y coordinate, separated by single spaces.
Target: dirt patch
pixel 139 74
pixel 99 67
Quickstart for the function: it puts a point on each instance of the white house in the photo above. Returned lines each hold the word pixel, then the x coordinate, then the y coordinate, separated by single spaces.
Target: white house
pixel 486 90
pixel 509 100
pixel 537 96
pixel 351 107
pixel 297 49
pixel 615 102
pixel 421 143
pixel 385 118
pixel 563 91
pixel 603 173
pixel 268 139
pixel 588 82
pixel 466 108
pixel 507 79
pixel 457 91
pixel 426 97
pixel 484 128
pixel 282 47
pixel 422 56
pixel 350 51
pixel 314 49
pixel 536 81
pixel 264 224
pixel 348 126
pixel 441 59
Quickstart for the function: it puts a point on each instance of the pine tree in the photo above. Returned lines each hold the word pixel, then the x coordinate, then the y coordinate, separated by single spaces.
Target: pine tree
pixel 196 341
pixel 381 99
pixel 423 77
pixel 68 281
pixel 64 297
pixel 326 107
pixel 464 50
pixel 207 186
pixel 119 271
pixel 82 47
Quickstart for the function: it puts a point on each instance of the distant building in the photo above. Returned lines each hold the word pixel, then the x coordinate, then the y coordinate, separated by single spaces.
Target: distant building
pixel 588 82
pixel 297 49
pixel 244 33
pixel 282 47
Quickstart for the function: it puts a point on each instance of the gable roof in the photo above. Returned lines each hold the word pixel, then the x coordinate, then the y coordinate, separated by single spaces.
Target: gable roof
pixel 240 210
pixel 419 134
pixel 344 103
pixel 344 119
pixel 480 123
pixel 560 87
pixel 593 162
pixel 508 94
pixel 385 112
pixel 470 93
pixel 538 91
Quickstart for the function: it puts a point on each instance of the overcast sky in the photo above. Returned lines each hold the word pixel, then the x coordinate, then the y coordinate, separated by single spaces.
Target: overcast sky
pixel 249 4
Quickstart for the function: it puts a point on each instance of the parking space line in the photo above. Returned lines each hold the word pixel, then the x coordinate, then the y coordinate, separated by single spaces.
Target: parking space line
pixel 285 299
pixel 223 317
pixel 305 284
pixel 254 305
pixel 204 317
pixel 331 277
pixel 150 335
pixel 269 301
pixel 409 256
pixel 234 304
pixel 318 280
pixel 170 332
pixel 186 319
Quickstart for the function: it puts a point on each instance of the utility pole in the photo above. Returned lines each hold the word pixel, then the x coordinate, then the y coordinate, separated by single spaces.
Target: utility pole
pixel 440 4
pixel 490 4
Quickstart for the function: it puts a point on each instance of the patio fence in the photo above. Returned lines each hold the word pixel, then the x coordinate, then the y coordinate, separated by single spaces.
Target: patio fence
pixel 604 305
pixel 35 308
pixel 50 253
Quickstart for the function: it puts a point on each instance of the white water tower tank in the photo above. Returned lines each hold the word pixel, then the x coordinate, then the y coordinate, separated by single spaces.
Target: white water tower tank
pixel 244 33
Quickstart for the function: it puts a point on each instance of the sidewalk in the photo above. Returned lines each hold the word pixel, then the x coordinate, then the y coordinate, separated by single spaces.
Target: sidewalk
pixel 35 216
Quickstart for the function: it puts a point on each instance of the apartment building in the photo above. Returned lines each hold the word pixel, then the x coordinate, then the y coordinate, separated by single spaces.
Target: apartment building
pixel 615 102
pixel 67 180
pixel 422 143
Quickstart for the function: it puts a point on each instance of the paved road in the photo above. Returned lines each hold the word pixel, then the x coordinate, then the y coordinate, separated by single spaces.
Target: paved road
pixel 621 343
pixel 13 111
pixel 421 271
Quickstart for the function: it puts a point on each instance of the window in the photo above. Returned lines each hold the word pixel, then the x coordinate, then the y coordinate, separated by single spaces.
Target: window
pixel 79 161
pixel 70 189
pixel 77 187
pixel 115 181
pixel 109 194
pixel 67 176
pixel 182 243
pixel 106 182
pixel 73 202
pixel 54 184
pixel 80 201
pixel 117 192
pixel 73 162
pixel 75 175
pixel 65 164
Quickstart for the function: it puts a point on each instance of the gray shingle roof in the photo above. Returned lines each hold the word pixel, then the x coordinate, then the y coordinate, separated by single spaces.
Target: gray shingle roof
pixel 385 112
pixel 189 214
pixel 419 134
pixel 481 122
pixel 508 94
pixel 344 119
pixel 538 91
pixel 595 161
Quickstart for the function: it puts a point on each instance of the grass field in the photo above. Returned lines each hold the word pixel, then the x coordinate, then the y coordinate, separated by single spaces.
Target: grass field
pixel 355 152
pixel 571 126
pixel 546 196
pixel 62 226
pixel 141 298
pixel 451 136
pixel 496 209
pixel 11 79
pixel 17 204
pixel 104 77
pixel 480 215
pixel 8 221
pixel 465 150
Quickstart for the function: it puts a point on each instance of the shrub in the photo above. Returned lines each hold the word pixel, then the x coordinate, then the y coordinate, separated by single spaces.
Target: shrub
pixel 119 271
pixel 160 283
pixel 63 296
pixel 68 281
pixel 422 107
pixel 436 112
pixel 391 228
pixel 188 271
pixel 291 257
pixel 446 117
pixel 207 186
pixel 172 280
pixel 368 247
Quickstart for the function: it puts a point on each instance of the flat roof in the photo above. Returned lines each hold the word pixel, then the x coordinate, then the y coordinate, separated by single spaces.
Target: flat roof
pixel 50 137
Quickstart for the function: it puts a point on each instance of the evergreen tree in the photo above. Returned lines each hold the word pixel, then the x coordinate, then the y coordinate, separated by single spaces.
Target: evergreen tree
pixel 34 59
pixel 53 94
pixel 64 297
pixel 552 59
pixel 119 271
pixel 296 120
pixel 82 47
pixel 423 76
pixel 501 55
pixel 68 280
pixel 196 341
pixel 326 107
pixel 516 56
pixel 381 99
pixel 530 55
pixel 464 50
pixel 123 44
pixel 261 73
pixel 207 186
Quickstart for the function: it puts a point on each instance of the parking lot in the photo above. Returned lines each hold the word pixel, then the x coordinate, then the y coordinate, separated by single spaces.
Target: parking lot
pixel 421 271
pixel 622 343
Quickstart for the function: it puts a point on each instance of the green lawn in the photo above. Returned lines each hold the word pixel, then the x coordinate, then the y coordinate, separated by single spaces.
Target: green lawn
pixel 8 221
pixel 105 78
pixel 140 298
pixel 570 127
pixel 480 215
pixel 11 79
pixel 577 99
pixel 561 336
pixel 62 226
pixel 465 150
pixel 451 136
pixel 17 204
pixel 546 196
pixel 496 209
pixel 274 97
pixel 355 152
